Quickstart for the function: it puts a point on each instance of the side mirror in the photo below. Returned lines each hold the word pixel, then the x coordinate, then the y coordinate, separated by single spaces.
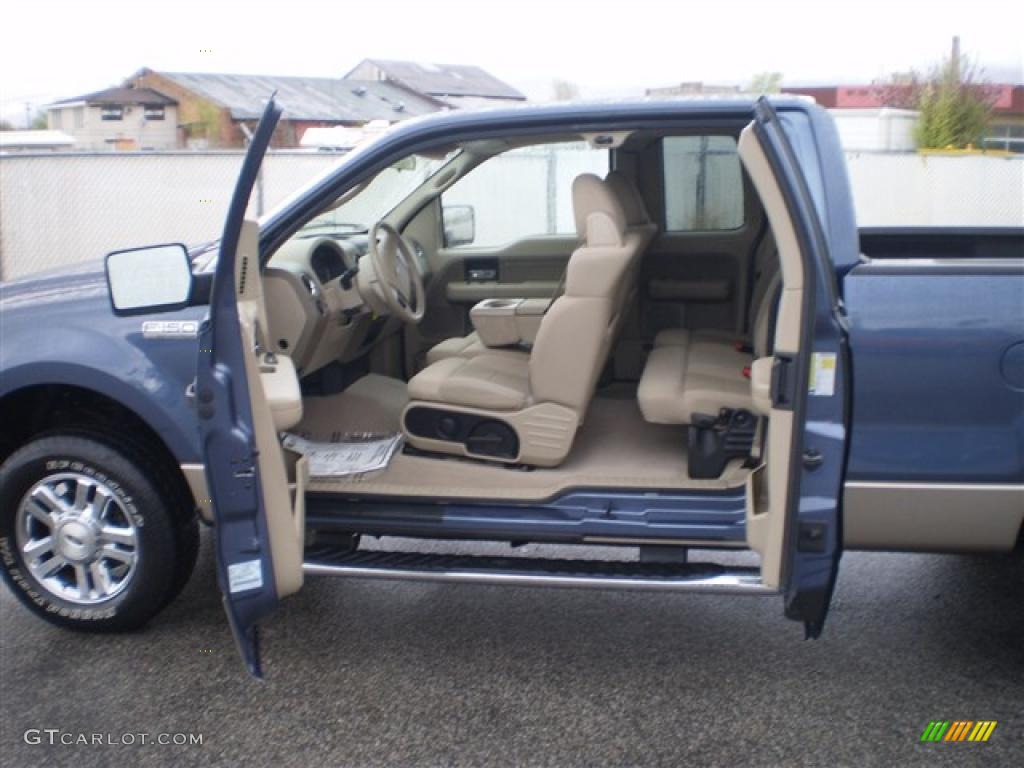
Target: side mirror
pixel 459 225
pixel 156 278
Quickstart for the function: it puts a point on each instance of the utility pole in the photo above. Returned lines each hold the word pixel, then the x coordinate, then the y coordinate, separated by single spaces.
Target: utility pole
pixel 955 57
pixel 28 116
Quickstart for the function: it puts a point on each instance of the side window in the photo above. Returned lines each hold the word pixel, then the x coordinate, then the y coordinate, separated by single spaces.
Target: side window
pixel 703 183
pixel 520 193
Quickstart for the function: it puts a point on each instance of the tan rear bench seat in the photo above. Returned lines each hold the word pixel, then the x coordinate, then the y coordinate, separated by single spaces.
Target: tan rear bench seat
pixel 685 376
pixel 702 371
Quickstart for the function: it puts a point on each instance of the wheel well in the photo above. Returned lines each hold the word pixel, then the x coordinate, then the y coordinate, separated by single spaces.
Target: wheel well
pixel 34 410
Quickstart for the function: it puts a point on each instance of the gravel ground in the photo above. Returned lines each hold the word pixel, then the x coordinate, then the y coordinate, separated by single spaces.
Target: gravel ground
pixel 366 673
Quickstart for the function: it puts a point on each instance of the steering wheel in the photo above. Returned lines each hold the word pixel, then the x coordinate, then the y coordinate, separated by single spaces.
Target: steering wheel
pixel 398 280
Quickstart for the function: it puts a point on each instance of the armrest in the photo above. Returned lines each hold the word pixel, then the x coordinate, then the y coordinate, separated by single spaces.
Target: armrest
pixel 462 292
pixel 495 321
pixel 761 384
pixel 690 290
pixel 508 322
pixel 529 314
pixel 281 389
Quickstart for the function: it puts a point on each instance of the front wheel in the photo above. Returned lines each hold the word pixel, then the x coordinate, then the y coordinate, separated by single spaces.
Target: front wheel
pixel 88 536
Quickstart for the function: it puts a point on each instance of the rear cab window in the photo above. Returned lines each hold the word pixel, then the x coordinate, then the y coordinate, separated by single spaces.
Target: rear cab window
pixel 703 184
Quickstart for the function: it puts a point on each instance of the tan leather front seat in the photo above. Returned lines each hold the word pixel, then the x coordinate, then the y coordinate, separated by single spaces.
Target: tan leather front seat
pixel 638 220
pixel 640 230
pixel 526 408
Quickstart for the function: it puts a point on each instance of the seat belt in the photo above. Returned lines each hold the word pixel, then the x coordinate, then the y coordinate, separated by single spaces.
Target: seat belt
pixel 559 288
pixel 753 275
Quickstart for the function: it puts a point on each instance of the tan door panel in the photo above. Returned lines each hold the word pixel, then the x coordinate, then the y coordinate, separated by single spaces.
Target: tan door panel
pixel 768 486
pixel 273 386
pixel 695 281
pixel 470 293
pixel 530 268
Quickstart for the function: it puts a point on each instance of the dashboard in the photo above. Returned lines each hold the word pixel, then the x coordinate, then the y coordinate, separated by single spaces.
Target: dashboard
pixel 315 313
pixel 329 262
pixel 312 315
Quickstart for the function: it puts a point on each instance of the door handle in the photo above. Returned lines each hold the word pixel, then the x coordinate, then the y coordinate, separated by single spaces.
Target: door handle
pixel 481 274
pixel 813 459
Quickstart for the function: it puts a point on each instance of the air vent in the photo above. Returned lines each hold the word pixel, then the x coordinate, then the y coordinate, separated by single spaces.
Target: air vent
pixel 400 107
pixel 242 274
pixel 310 286
pixel 359 90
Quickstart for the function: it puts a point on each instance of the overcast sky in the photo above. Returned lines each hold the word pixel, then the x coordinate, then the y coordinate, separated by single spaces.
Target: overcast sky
pixel 53 49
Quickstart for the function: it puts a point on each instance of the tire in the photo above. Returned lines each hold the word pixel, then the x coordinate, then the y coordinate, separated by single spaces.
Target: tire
pixel 114 551
pixel 187 540
pixel 186 520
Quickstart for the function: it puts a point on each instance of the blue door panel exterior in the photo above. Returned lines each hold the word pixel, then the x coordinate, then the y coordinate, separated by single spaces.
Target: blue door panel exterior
pixel 935 400
pixel 813 540
pixel 226 426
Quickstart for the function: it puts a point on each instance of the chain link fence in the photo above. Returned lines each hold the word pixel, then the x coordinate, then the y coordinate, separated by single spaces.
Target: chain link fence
pixel 60 209
pixel 64 208
pixel 908 189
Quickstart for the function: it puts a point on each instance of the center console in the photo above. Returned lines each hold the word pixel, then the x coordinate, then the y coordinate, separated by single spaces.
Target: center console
pixel 508 322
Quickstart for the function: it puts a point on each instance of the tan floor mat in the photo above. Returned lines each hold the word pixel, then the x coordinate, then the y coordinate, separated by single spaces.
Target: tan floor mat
pixel 615 448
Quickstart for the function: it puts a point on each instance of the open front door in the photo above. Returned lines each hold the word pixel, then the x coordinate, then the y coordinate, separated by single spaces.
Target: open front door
pixel 793 514
pixel 257 498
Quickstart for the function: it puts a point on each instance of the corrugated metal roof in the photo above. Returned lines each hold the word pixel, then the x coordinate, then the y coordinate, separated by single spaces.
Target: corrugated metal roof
pixel 447 79
pixel 306 98
pixel 124 95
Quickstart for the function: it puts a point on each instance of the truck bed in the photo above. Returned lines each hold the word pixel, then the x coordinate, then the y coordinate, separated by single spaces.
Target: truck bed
pixel 942 242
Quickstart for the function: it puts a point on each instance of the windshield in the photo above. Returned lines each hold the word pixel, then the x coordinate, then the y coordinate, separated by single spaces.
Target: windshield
pixel 355 211
pixel 361 208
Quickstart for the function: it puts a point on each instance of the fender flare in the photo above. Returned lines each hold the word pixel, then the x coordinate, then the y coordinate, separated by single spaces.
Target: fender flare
pixel 155 404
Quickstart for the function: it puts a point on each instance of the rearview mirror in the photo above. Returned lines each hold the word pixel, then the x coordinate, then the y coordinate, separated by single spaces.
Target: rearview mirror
pixel 459 225
pixel 151 279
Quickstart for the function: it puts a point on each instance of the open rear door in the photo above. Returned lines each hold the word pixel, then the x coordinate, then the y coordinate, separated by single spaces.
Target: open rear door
pixel 257 507
pixel 794 518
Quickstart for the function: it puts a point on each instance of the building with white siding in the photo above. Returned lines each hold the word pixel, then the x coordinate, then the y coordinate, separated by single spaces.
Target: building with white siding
pixel 117 119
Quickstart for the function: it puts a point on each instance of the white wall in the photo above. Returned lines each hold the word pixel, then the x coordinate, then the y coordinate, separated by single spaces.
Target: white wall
pixel 510 193
pixel 910 189
pixel 60 209
pixel 883 130
pixel 57 210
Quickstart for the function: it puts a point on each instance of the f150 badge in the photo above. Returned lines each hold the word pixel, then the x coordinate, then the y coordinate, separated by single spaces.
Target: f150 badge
pixel 170 329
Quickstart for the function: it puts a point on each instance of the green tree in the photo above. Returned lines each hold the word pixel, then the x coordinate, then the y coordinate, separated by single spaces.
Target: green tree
pixel 955 106
pixel 39 123
pixel 954 101
pixel 765 82
pixel 6 125
pixel 202 122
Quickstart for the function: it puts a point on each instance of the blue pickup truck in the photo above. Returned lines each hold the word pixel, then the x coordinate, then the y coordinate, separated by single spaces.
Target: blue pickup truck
pixel 673 338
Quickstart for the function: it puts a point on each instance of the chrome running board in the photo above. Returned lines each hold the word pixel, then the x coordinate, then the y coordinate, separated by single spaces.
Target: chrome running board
pixel 535 572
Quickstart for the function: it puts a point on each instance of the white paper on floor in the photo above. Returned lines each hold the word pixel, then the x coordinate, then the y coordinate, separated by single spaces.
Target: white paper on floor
pixel 348 455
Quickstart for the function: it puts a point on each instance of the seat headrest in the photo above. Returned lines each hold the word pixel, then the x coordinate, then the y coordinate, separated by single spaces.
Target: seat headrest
pixel 629 197
pixel 600 218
